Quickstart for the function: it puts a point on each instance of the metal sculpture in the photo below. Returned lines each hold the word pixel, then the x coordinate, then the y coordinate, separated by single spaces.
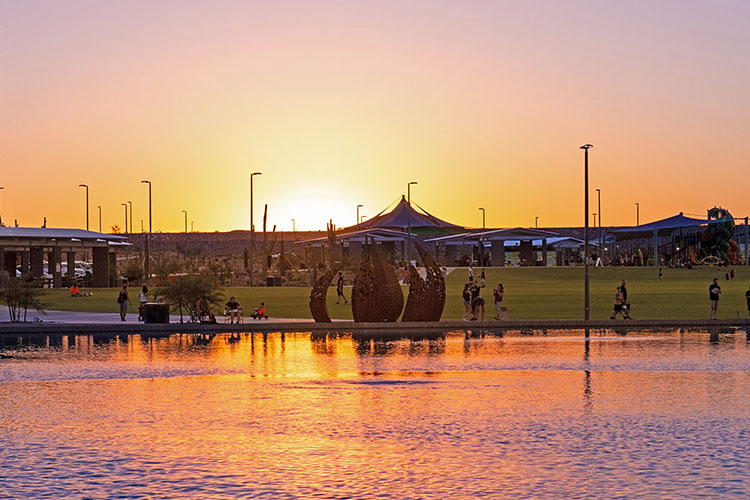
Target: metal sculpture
pixel 318 305
pixel 426 298
pixel 376 294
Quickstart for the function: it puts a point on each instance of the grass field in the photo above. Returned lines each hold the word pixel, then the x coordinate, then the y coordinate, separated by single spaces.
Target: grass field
pixel 530 293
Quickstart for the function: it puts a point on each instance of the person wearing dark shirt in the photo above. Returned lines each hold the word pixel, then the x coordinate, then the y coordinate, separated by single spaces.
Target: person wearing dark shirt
pixel 466 296
pixel 340 289
pixel 477 302
pixel 714 290
pixel 747 297
pixel 233 310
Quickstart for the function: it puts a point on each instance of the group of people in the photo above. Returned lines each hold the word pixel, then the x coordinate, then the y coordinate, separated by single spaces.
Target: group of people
pixel 622 306
pixel 714 293
pixel 202 309
pixel 473 301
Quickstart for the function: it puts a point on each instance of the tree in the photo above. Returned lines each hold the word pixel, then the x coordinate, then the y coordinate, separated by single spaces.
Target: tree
pixel 164 265
pixel 184 291
pixel 20 294
pixel 132 270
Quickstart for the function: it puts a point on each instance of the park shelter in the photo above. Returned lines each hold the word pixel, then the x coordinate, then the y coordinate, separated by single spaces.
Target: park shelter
pixel 349 244
pixel 666 228
pixel 447 246
pixel 28 246
pixel 422 222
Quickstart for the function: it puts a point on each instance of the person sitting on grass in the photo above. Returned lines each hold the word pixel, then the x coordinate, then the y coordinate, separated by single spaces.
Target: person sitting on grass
pixel 260 312
pixel 75 291
pixel 233 310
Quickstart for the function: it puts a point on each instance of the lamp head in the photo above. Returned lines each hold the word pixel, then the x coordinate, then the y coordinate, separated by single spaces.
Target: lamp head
pixel 256 173
pixel 82 186
pixel 413 182
pixel 587 146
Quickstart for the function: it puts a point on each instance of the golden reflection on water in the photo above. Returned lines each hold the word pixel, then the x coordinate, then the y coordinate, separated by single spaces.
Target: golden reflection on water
pixel 304 416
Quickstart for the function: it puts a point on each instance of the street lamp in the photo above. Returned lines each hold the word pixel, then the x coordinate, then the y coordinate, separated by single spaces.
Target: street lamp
pixel 294 226
pixel 536 222
pixel 100 217
pixel 87 204
pixel 586 306
pixel 185 212
pixel 148 236
pixel 130 204
pixel 599 203
pixel 252 226
pixel 362 218
pixel 637 214
pixel 1 207
pixel 408 236
pixel 483 214
pixel 594 214
pixel 358 206
pixel 126 217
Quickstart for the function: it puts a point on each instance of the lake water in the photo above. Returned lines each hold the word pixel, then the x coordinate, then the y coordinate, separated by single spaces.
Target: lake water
pixel 654 415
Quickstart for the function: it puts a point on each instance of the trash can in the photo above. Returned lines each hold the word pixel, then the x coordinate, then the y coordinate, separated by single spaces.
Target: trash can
pixel 269 280
pixel 155 313
pixel 277 281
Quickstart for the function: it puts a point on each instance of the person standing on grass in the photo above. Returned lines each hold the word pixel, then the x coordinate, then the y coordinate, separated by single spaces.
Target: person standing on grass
pixel 466 296
pixel 714 290
pixel 618 306
pixel 122 301
pixel 498 294
pixel 340 289
pixel 747 298
pixel 624 292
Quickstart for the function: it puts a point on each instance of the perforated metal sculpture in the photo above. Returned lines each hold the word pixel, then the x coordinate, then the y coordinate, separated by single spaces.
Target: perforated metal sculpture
pixel 426 298
pixel 318 305
pixel 376 294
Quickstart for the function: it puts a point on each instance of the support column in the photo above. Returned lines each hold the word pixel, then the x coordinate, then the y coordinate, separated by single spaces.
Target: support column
pixel 101 267
pixel 54 260
pixel 450 255
pixel 71 266
pixel 113 267
pixel 544 252
pixel 498 253
pixel 656 248
pixel 10 260
pixel 25 263
pixel 36 255
pixel 747 243
pixel 526 251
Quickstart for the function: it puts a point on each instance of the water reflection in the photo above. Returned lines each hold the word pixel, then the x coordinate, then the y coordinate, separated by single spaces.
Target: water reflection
pixel 295 415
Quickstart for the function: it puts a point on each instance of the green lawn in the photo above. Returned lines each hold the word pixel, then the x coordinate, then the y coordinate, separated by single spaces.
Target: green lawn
pixel 530 293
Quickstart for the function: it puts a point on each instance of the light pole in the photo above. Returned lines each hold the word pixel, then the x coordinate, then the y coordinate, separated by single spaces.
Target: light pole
pixel 185 212
pixel 87 204
pixel 594 214
pixel 637 214
pixel 536 222
pixel 362 219
pixel 483 214
pixel 100 217
pixel 294 226
pixel 148 236
pixel 252 226
pixel 586 306
pixel 130 204
pixel 599 203
pixel 1 207
pixel 126 217
pixel 358 207
pixel 408 236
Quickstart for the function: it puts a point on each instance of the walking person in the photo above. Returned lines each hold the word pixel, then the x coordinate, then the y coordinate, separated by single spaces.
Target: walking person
pixel 747 298
pixel 498 294
pixel 618 305
pixel 340 289
pixel 714 290
pixel 122 300
pixel 625 303
pixel 142 299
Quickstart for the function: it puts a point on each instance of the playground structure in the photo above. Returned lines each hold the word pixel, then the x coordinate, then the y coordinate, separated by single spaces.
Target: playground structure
pixel 721 234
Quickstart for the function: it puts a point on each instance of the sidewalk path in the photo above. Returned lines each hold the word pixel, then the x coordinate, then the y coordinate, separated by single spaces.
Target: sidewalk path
pixel 114 318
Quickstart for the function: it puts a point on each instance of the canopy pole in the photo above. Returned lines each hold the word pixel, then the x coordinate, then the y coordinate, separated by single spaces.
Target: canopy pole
pixel 656 250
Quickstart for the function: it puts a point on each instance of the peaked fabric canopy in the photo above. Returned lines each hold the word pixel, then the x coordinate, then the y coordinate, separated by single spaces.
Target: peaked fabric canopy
pixel 398 218
pixel 663 227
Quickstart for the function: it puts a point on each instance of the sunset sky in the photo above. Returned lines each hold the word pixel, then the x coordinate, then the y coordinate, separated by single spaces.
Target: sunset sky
pixel 484 103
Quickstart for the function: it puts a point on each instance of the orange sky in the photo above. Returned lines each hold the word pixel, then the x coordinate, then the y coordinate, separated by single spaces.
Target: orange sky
pixel 484 103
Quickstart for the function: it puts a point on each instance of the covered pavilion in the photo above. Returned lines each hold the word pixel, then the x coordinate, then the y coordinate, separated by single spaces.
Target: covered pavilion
pixel 28 246
pixel 447 246
pixel 349 244
pixel 422 222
